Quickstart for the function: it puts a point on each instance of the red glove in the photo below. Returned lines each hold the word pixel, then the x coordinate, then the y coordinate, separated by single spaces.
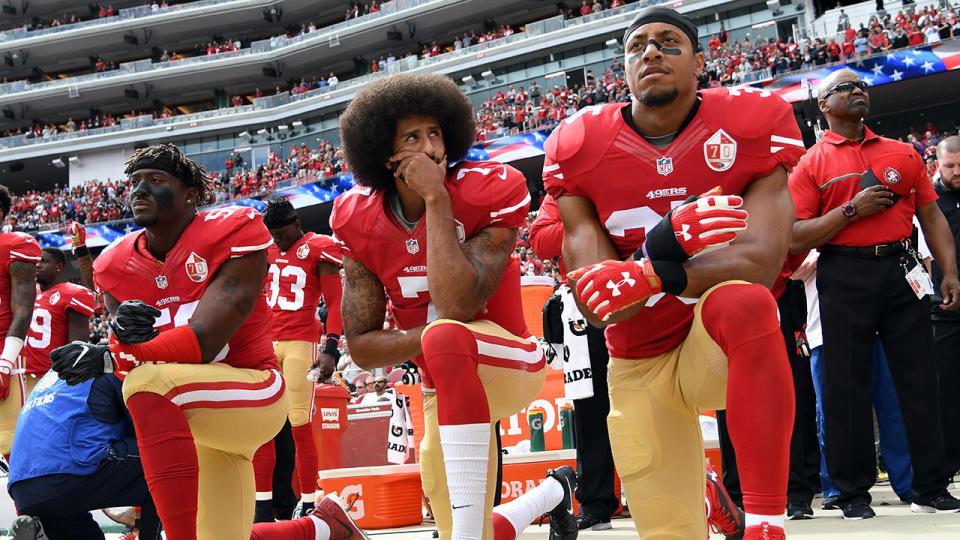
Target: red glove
pixel 79 234
pixel 711 220
pixel 612 286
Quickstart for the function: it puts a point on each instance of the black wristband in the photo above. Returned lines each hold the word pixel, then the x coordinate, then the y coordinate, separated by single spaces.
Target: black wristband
pixel 81 251
pixel 662 244
pixel 330 347
pixel 672 274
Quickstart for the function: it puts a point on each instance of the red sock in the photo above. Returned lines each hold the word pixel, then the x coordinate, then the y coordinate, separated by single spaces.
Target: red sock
pixel 742 319
pixel 450 355
pixel 263 462
pixel 169 458
pixel 295 529
pixel 502 528
pixel 306 457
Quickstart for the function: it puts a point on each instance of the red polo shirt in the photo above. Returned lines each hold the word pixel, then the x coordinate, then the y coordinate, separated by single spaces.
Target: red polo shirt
pixel 829 175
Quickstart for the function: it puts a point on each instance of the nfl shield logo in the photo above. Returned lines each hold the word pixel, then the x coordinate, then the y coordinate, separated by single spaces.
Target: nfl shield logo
pixel 161 282
pixel 196 267
pixel 665 165
pixel 412 246
pixel 720 151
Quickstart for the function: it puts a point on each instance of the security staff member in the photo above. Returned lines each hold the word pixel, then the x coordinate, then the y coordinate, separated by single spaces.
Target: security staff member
pixel 946 324
pixel 855 194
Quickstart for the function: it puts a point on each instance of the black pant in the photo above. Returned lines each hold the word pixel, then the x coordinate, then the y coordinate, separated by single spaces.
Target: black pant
pixel 284 498
pixel 63 502
pixel 861 298
pixel 804 479
pixel 946 343
pixel 594 460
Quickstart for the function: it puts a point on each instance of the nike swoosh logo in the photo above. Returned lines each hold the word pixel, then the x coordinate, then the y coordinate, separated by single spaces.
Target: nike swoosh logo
pixel 502 174
pixel 455 507
pixel 85 349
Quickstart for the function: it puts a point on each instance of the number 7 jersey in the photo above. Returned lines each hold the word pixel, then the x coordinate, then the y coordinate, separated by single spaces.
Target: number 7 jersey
pixel 736 136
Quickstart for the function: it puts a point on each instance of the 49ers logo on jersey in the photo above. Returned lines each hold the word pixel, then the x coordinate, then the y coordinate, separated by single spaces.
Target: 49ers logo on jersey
pixel 720 151
pixel 196 267
pixel 303 251
pixel 54 298
pixel 461 232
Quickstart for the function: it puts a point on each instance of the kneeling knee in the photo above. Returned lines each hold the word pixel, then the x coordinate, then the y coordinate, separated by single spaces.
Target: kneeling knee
pixel 444 341
pixel 739 312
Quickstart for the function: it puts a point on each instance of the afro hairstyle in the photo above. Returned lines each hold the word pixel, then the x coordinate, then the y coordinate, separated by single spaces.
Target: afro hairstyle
pixel 368 126
pixel 278 210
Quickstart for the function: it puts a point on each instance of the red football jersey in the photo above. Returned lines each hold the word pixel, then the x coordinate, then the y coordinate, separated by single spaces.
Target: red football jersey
pixel 293 287
pixel 127 271
pixel 49 327
pixel 736 137
pixel 482 194
pixel 13 247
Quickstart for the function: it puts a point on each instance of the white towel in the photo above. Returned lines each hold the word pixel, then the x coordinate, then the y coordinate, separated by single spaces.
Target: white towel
pixel 577 374
pixel 400 436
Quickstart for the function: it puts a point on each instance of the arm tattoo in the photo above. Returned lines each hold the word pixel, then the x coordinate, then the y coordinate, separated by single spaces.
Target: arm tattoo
pixel 489 250
pixel 364 302
pixel 23 293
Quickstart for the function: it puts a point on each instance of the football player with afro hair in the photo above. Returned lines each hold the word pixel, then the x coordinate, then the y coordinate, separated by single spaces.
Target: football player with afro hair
pixel 433 233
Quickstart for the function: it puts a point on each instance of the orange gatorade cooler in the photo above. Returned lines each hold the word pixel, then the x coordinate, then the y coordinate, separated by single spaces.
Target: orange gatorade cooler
pixel 534 292
pixel 387 496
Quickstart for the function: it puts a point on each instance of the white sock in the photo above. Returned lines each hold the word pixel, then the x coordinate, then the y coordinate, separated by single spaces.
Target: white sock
pixel 757 519
pixel 321 529
pixel 706 503
pixel 308 497
pixel 264 495
pixel 526 508
pixel 466 451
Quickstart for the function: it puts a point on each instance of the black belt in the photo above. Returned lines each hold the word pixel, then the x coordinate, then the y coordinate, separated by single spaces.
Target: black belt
pixel 879 250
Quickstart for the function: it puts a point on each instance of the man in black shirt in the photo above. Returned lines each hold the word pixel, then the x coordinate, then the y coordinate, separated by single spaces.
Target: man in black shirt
pixel 946 324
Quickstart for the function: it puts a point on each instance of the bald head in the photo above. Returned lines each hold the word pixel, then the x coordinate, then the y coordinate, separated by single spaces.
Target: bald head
pixel 832 79
pixel 949 145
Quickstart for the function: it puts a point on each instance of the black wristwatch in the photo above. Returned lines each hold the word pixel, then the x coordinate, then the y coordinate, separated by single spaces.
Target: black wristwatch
pixel 848 210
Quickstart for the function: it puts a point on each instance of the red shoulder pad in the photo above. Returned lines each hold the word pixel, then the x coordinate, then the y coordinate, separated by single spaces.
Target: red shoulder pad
pixel 347 218
pixel 240 228
pixel 23 247
pixel 327 249
pixel 81 300
pixel 577 144
pixel 497 187
pixel 736 110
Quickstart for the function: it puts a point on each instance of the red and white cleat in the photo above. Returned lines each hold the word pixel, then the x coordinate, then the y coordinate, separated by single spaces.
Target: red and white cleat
pixel 725 517
pixel 764 531
pixel 332 512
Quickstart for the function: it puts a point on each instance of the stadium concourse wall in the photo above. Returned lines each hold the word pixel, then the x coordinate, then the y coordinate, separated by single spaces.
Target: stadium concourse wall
pixel 311 192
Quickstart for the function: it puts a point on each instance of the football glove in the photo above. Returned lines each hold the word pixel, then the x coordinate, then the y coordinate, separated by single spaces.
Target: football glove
pixel 612 286
pixel 133 322
pixel 79 362
pixel 710 220
pixel 79 234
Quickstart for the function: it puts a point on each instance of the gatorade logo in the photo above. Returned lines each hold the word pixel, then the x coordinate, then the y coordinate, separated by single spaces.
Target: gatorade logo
pixel 536 422
pixel 577 375
pixel 357 511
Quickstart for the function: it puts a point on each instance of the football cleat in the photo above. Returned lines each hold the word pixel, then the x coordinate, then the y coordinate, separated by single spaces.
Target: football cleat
pixel 725 517
pixel 563 524
pixel 27 528
pixel 332 512
pixel 764 531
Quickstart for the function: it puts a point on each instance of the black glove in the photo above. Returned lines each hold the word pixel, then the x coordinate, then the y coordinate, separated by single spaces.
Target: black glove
pixel 133 322
pixel 79 362
pixel 411 373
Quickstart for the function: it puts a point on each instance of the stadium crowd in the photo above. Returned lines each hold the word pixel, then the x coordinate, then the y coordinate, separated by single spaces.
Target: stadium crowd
pixel 729 62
